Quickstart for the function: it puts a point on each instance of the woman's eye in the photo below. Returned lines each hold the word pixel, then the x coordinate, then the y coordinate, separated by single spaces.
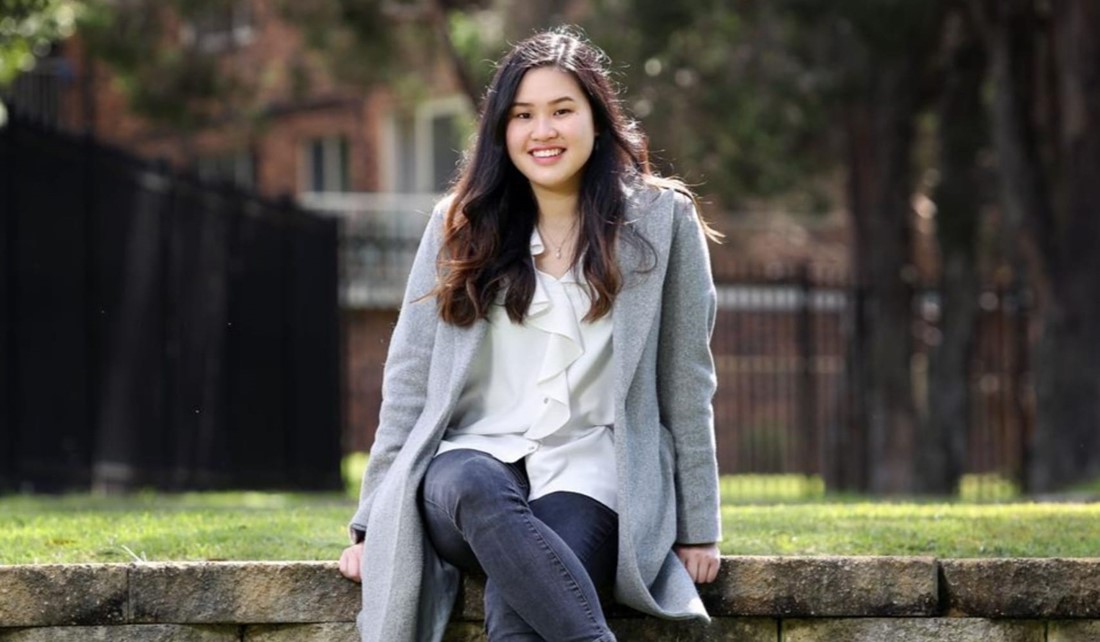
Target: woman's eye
pixel 521 115
pixel 562 112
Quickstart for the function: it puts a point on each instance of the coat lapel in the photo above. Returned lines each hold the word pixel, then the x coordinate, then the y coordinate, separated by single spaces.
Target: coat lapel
pixel 465 342
pixel 636 305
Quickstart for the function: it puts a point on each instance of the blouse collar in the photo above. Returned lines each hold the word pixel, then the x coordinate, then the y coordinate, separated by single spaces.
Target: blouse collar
pixel 538 247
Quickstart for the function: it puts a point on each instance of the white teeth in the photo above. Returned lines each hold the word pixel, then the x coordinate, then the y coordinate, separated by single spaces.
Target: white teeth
pixel 546 153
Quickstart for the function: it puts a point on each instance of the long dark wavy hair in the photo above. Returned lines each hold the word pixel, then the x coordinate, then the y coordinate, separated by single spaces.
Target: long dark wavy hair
pixel 486 239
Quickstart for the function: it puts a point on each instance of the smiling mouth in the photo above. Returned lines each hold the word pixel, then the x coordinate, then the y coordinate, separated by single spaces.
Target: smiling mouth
pixel 547 153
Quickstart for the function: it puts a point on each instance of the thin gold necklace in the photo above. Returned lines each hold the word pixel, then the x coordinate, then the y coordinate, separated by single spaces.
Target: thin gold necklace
pixel 558 246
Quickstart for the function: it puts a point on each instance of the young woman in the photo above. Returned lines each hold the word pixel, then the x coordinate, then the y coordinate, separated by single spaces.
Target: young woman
pixel 546 414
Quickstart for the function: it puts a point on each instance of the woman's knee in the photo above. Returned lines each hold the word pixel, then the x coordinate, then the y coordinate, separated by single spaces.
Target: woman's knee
pixel 470 478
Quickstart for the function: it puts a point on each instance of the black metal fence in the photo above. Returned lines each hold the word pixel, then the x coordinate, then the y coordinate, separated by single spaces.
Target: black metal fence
pixel 156 331
pixel 785 390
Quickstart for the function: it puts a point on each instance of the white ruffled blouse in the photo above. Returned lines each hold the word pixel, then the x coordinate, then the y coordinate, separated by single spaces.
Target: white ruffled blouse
pixel 543 390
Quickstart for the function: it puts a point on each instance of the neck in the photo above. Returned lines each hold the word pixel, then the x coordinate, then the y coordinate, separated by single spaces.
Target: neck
pixel 556 210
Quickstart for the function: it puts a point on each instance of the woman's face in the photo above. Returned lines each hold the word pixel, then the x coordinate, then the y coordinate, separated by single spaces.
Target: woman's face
pixel 550 132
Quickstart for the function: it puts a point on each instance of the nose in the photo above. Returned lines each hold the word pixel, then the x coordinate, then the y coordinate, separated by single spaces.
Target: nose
pixel 544 129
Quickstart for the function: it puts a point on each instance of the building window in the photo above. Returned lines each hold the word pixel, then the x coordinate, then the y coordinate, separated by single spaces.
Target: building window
pixel 238 168
pixel 426 146
pixel 325 165
pixel 221 26
pixel 403 165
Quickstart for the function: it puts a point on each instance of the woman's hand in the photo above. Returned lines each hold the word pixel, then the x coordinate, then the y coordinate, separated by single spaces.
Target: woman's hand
pixel 700 560
pixel 349 561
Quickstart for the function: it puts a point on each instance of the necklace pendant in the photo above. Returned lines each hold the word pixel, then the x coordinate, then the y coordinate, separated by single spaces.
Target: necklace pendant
pixel 557 253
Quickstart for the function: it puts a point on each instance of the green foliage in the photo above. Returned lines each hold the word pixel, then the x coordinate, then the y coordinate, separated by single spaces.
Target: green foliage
pixel 718 90
pixel 28 28
pixel 368 42
pixel 357 41
pixel 749 97
pixel 167 75
pixel 478 44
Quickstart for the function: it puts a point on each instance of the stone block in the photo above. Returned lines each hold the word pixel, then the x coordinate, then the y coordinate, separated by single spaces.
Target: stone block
pixel 1073 631
pixel 823 587
pixel 470 605
pixel 1022 588
pixel 791 586
pixel 125 633
pixel 720 629
pixel 320 632
pixel 649 629
pixel 910 630
pixel 245 592
pixel 465 632
pixel 62 594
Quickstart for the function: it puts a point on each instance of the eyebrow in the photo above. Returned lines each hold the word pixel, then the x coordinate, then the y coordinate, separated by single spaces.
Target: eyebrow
pixel 552 102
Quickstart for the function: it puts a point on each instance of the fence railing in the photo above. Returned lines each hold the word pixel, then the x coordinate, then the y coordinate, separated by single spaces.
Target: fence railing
pixel 158 331
pixel 38 93
pixel 379 234
pixel 785 389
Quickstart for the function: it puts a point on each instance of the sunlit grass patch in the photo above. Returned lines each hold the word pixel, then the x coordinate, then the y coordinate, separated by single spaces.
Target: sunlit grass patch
pixel 988 487
pixel 756 488
pixel 170 527
pixel 944 530
pixel 352 468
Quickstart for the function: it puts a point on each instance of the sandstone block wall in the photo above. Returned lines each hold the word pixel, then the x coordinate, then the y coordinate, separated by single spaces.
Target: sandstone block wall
pixel 755 599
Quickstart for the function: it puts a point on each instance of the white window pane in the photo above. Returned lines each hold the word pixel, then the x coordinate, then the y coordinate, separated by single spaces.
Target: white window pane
pixel 445 151
pixel 327 164
pixel 405 155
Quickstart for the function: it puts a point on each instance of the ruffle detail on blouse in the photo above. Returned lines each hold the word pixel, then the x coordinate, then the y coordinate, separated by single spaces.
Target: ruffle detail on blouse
pixel 555 317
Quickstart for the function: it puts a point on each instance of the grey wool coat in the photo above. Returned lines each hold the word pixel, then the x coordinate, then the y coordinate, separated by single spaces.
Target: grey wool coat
pixel 664 428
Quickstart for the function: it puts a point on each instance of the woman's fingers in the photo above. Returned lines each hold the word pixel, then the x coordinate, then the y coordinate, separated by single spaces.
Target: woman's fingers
pixel 711 573
pixel 350 561
pixel 701 561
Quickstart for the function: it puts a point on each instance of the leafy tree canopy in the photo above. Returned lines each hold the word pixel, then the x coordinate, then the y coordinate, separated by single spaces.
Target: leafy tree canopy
pixel 719 90
pixel 28 28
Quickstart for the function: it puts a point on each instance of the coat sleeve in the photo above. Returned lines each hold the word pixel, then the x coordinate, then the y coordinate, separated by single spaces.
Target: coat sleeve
pixel 686 377
pixel 405 376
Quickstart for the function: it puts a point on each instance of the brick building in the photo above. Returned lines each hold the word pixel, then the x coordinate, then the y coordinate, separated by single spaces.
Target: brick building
pixel 300 131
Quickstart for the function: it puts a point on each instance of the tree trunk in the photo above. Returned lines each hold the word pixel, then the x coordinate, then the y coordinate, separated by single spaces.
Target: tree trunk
pixel 1010 34
pixel 1067 432
pixel 440 24
pixel 879 137
pixel 1055 220
pixel 958 197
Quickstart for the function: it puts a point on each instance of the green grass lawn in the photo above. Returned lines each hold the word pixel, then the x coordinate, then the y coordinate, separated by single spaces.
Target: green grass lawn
pixel 160 527
pixel 286 526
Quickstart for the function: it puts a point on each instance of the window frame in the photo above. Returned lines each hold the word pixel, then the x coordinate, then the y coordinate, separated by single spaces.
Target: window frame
pixel 423 141
pixel 335 153
pixel 215 38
